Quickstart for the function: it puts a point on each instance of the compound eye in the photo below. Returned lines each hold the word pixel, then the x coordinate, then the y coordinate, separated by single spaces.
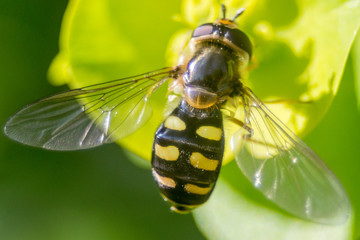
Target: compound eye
pixel 239 39
pixel 203 30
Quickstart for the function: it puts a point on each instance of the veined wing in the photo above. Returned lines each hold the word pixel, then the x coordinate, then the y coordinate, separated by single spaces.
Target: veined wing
pixel 90 116
pixel 284 169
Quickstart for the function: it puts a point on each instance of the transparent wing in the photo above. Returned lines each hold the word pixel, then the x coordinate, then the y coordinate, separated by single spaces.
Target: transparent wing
pixel 90 116
pixel 284 169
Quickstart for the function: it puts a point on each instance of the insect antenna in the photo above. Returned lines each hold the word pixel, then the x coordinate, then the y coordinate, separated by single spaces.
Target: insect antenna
pixel 223 8
pixel 238 13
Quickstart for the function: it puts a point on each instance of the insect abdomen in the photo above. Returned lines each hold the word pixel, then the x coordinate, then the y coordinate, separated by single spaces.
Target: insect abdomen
pixel 187 155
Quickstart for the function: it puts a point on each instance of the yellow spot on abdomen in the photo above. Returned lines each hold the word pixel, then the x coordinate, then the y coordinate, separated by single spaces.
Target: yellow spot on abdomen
pixel 191 188
pixel 209 132
pixel 175 123
pixel 199 161
pixel 165 181
pixel 169 153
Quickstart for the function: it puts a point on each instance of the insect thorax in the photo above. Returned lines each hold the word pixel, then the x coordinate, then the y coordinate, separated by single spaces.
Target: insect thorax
pixel 187 155
pixel 212 74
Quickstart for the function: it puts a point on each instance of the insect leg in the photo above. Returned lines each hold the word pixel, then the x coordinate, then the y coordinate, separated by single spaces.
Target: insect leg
pixel 243 125
pixel 230 116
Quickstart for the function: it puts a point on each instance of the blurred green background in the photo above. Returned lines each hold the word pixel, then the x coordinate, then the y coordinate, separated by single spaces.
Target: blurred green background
pixel 93 194
pixel 99 193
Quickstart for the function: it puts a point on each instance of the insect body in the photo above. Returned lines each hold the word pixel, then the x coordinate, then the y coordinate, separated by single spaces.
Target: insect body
pixel 187 155
pixel 189 145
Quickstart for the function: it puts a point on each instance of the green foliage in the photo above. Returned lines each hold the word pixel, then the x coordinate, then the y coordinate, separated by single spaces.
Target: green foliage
pixel 300 52
pixel 356 63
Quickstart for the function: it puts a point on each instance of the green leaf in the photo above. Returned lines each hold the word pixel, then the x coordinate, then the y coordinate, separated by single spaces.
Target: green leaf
pixel 303 57
pixel 356 63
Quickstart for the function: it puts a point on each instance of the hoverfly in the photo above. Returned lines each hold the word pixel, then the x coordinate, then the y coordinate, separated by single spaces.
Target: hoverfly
pixel 189 145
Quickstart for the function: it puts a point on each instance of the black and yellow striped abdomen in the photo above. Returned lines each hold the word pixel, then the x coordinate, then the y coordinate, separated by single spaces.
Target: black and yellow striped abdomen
pixel 187 155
